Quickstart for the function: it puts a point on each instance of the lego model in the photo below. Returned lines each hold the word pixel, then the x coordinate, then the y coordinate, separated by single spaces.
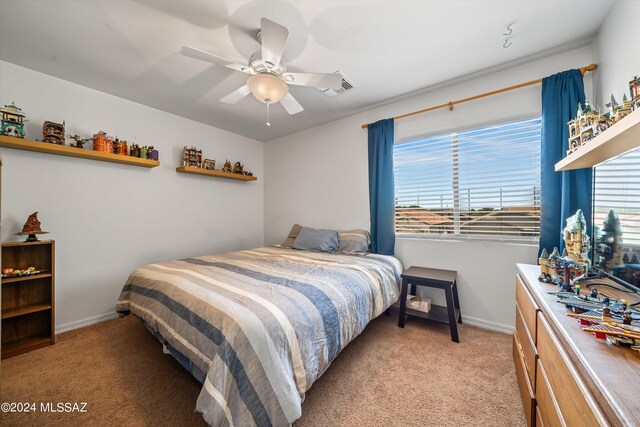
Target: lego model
pixel 227 167
pixel 576 239
pixel 589 123
pixel 53 133
pixel 609 243
pixel 191 157
pixel 209 164
pixel 12 122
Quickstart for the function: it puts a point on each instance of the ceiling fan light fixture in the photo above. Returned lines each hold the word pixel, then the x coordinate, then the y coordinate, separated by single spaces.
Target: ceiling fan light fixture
pixel 267 88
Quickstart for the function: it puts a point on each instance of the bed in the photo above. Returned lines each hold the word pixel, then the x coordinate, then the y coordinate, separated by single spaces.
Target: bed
pixel 258 327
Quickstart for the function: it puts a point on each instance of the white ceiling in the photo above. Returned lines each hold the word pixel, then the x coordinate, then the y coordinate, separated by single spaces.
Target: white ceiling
pixel 387 48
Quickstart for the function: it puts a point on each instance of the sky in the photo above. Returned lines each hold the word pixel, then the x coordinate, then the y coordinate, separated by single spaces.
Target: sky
pixel 497 166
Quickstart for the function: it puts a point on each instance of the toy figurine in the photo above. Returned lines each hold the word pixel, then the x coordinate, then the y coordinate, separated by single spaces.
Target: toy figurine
pixel 53 133
pixel 120 147
pixel 237 168
pixel 153 153
pixel 31 228
pixel 209 164
pixel 227 166
pixel 79 141
pixel 12 123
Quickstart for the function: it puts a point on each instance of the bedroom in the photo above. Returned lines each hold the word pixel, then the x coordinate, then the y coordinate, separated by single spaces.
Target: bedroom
pixel 117 67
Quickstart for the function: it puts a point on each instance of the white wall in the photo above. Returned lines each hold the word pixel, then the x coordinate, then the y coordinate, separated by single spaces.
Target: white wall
pixel 318 177
pixel 107 219
pixel 618 56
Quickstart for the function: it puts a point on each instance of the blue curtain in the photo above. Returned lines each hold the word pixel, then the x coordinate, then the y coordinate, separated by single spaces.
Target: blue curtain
pixel 381 196
pixel 561 193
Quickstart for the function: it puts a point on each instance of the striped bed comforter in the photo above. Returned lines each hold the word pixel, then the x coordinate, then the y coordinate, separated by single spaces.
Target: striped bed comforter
pixel 258 327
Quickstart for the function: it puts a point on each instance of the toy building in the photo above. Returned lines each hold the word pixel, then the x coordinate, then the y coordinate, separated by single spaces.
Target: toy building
pixel 576 239
pixel 587 124
pixel 609 243
pixel 191 157
pixel 616 111
pixel 53 133
pixel 12 123
pixel 102 142
pixel 543 262
pixel 634 89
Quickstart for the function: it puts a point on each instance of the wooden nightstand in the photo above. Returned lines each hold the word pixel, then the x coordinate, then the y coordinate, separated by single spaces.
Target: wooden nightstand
pixel 433 278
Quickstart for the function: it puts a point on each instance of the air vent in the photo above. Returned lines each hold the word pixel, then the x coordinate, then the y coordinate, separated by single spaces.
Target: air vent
pixel 344 86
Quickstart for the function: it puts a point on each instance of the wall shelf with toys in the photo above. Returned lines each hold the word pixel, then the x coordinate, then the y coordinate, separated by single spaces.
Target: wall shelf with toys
pixel 63 150
pixel 192 162
pixel 595 138
pixel 618 139
pixel 216 173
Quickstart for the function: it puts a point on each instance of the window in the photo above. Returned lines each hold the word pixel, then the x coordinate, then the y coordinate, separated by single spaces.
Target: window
pixel 617 187
pixel 480 183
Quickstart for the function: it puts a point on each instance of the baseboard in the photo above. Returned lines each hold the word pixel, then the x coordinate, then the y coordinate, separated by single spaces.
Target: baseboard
pixel 85 322
pixel 498 327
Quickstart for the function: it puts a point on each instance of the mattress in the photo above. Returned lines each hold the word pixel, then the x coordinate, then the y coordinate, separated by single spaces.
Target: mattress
pixel 258 327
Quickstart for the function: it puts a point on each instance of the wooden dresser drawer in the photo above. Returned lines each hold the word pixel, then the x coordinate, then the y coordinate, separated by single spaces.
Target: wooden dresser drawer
pixel 539 422
pixel 547 411
pixel 526 344
pixel 576 404
pixel 528 308
pixel 526 390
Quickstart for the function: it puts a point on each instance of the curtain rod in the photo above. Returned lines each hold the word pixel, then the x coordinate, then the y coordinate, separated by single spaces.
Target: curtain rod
pixel 583 71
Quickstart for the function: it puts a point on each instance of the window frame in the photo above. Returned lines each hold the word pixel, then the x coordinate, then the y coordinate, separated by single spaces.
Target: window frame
pixel 518 240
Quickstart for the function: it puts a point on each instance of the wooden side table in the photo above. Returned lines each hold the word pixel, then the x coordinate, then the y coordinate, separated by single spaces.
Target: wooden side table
pixel 433 278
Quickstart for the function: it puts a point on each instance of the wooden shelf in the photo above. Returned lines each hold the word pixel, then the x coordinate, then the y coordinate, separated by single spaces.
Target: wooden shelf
pixel 22 345
pixel 219 174
pixel 23 278
pixel 28 302
pixel 618 139
pixel 20 311
pixel 63 150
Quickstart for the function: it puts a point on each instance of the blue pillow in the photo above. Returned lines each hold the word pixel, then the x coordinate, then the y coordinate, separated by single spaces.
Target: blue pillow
pixel 310 239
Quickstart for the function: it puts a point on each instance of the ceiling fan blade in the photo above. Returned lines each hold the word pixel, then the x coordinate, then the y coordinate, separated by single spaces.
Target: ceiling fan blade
pixel 236 95
pixel 290 104
pixel 273 37
pixel 321 80
pixel 215 59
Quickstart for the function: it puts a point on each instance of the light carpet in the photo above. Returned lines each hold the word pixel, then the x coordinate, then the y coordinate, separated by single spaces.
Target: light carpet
pixel 388 376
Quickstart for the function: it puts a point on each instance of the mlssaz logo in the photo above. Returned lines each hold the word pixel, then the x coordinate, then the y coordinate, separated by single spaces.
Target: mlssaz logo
pixel 63 407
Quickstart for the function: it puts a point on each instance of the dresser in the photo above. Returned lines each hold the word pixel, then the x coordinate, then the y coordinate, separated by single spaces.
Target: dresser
pixel 565 375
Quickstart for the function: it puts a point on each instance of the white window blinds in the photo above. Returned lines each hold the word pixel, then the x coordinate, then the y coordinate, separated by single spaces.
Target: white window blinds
pixel 617 187
pixel 480 183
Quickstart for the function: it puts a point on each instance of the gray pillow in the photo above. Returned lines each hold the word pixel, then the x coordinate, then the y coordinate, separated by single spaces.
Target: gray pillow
pixel 354 242
pixel 295 230
pixel 310 239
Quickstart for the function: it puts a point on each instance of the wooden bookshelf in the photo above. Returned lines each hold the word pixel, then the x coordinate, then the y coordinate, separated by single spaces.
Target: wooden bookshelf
pixel 28 302
pixel 618 139
pixel 64 150
pixel 218 174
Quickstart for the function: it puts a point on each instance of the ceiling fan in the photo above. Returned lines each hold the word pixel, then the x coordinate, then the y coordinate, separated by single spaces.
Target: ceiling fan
pixel 269 80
